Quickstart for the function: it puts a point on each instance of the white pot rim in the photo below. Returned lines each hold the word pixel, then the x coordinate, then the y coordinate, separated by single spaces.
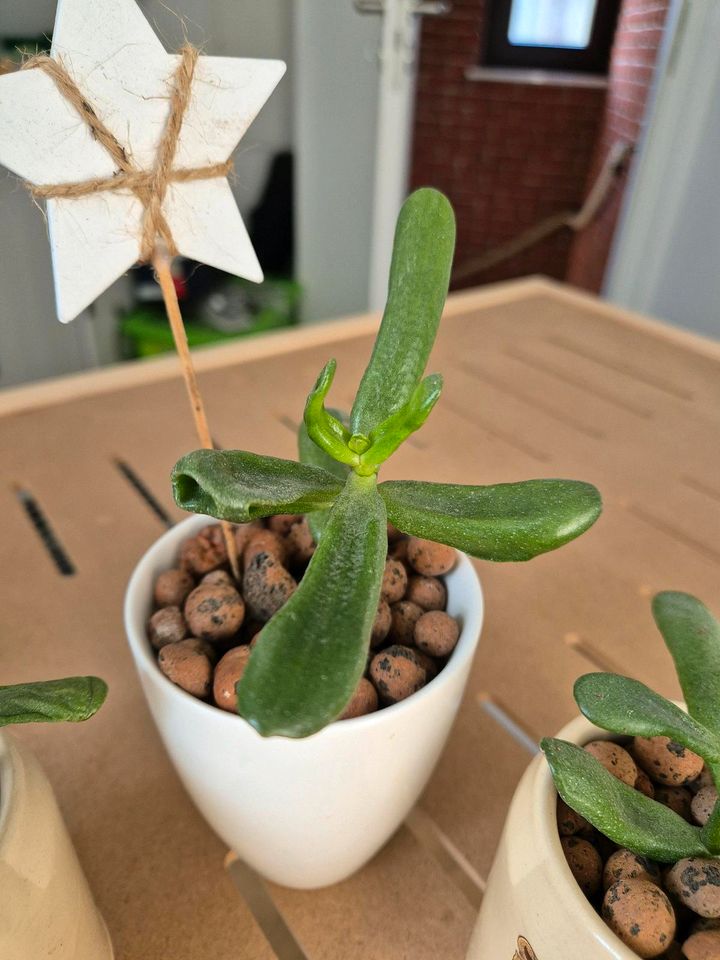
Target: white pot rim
pixel 140 645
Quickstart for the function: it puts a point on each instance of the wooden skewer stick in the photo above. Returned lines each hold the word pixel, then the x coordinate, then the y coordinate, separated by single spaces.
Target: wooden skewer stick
pixel 161 264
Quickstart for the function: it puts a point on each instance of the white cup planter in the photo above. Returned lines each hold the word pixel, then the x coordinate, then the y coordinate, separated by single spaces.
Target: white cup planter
pixel 303 813
pixel 533 907
pixel 46 908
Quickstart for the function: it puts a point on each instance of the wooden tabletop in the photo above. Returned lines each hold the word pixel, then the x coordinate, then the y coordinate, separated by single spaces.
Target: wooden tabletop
pixel 541 381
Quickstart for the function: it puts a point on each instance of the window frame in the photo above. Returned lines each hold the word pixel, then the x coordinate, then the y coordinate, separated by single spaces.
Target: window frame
pixel 595 58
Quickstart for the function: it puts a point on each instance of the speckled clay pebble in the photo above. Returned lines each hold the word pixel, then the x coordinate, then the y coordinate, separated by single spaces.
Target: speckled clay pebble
pixel 265 541
pixel 200 555
pixel 427 592
pixel 703 803
pixel 214 612
pixel 704 945
pixel 569 823
pixel 665 761
pixel 188 664
pixel 300 542
pixel 626 865
pixel 394 582
pixel 227 673
pixel 216 577
pixel 267 585
pixel 166 625
pixel 436 633
pixel 615 759
pixel 641 915
pixel 428 663
pixel 244 531
pixel 696 883
pixel 430 559
pixel 404 617
pixel 644 784
pixel 172 588
pixel 381 625
pixel 677 798
pixel 704 780
pixel 364 700
pixel 584 862
pixel 282 522
pixel 398 550
pixel 396 673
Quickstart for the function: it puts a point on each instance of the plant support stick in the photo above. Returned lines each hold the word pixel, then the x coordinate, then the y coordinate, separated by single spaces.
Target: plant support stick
pixel 161 265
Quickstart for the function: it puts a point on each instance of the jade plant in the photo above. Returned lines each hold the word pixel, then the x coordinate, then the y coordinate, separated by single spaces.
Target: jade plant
pixel 313 652
pixel 52 701
pixel 627 707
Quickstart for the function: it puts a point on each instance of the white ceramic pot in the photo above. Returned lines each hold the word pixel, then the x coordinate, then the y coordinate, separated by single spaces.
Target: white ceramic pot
pixel 533 908
pixel 46 908
pixel 303 813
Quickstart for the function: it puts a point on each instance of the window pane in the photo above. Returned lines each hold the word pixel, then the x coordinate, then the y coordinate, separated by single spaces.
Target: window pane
pixel 551 23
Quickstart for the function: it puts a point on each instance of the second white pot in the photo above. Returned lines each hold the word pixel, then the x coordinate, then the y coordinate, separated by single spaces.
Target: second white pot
pixel 303 813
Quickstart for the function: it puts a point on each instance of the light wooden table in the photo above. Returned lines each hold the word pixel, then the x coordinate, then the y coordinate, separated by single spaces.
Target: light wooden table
pixel 540 381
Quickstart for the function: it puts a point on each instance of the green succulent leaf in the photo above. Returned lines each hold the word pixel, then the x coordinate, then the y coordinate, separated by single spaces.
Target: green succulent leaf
pixel 239 486
pixel 621 813
pixel 310 453
pixel 323 428
pixel 51 701
pixel 507 521
pixel 310 657
pixel 419 278
pixel 387 437
pixel 627 706
pixel 692 635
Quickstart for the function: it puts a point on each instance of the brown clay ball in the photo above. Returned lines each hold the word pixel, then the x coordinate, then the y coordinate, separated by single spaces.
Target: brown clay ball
pixel 300 542
pixel 282 522
pixel 214 612
pixel 644 784
pixel 216 577
pixel 398 550
pixel 696 884
pixel 172 588
pixel 429 664
pixel 267 585
pixel 665 761
pixel 244 531
pixel 704 945
pixel 394 581
pixel 703 804
pixel 677 799
pixel 615 759
pixel 404 615
pixel 265 541
pixel 381 625
pixel 396 673
pixel 641 915
pixel 187 663
pixel 568 821
pixel 436 633
pixel 201 554
pixel 427 592
pixel 625 865
pixel 166 625
pixel 584 862
pixel 430 559
pixel 704 780
pixel 364 700
pixel 227 673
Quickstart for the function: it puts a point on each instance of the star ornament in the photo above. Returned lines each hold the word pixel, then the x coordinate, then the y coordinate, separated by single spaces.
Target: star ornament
pixel 100 187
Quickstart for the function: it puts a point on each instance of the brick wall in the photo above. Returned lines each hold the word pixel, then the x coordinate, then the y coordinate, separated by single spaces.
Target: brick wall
pixel 634 53
pixel 506 154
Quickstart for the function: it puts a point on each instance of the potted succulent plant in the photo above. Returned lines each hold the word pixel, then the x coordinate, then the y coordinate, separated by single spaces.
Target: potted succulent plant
pixel 620 856
pixel 46 908
pixel 304 799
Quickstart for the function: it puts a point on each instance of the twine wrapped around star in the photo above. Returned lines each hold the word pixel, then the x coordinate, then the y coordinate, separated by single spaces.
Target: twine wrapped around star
pixel 150 186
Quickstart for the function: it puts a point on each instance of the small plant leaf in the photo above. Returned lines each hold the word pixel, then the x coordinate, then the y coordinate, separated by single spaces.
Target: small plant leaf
pixel 310 453
pixel 323 428
pixel 627 706
pixel 52 701
pixel 621 813
pixel 239 486
pixel 419 278
pixel 507 521
pixel 310 657
pixel 692 635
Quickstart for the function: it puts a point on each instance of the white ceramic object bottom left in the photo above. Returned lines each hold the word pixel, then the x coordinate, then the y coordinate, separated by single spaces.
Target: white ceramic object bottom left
pixel 46 907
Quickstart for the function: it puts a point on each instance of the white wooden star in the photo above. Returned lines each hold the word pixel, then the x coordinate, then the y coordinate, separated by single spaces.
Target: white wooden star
pixel 122 70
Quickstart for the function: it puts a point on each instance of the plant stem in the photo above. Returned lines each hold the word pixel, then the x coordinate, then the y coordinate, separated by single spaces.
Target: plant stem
pixel 711 830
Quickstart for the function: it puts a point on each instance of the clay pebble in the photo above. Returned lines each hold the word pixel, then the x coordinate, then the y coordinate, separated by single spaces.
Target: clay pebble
pixel 282 522
pixel 228 672
pixel 204 552
pixel 300 542
pixel 404 616
pixel 677 799
pixel 427 592
pixel 696 884
pixel 166 625
pixel 665 761
pixel 381 624
pixel 172 588
pixel 641 915
pixel 585 863
pixel 615 759
pixel 188 664
pixel 267 585
pixel 436 633
pixel 569 822
pixel 363 701
pixel 625 865
pixel 704 945
pixel 644 784
pixel 703 804
pixel 214 612
pixel 394 581
pixel 396 673
pixel 265 541
pixel 430 559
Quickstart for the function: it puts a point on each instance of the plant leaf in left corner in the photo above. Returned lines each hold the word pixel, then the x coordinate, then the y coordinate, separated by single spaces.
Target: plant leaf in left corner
pixel 51 701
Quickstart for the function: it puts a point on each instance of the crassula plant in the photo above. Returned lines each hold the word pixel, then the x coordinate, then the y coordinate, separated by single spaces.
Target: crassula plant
pixel 52 701
pixel 629 708
pixel 312 653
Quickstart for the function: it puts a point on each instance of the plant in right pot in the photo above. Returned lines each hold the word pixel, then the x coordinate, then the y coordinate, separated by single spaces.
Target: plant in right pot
pixel 629 845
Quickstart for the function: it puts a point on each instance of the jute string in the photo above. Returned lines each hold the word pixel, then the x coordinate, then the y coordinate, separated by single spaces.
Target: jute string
pixel 150 187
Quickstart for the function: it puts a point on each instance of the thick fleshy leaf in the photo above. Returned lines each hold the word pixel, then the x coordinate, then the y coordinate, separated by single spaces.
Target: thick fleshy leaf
pixel 627 706
pixel 621 813
pixel 419 278
pixel 239 486
pixel 310 657
pixel 692 635
pixel 309 452
pixel 329 433
pixel 51 701
pixel 507 521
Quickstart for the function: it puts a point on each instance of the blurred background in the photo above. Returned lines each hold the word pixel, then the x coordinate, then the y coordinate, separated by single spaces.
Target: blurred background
pixel 579 139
